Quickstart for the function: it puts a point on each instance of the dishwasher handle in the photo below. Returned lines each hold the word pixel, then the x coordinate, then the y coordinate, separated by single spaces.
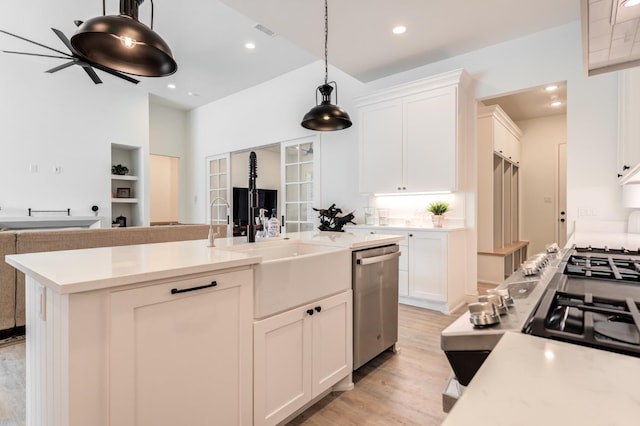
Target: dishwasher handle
pixel 376 259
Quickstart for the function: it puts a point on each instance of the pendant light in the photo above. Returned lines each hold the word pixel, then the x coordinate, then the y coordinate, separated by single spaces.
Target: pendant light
pixel 125 44
pixel 326 116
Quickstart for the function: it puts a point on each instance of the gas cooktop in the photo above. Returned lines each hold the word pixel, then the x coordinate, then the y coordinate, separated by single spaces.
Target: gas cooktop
pixel 592 300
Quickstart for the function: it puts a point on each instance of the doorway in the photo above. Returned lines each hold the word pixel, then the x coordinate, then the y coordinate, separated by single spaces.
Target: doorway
pixel 164 189
pixel 541 115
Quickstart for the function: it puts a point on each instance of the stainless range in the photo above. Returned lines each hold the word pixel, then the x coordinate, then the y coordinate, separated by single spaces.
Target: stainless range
pixel 593 300
pixel 467 345
pixel 583 295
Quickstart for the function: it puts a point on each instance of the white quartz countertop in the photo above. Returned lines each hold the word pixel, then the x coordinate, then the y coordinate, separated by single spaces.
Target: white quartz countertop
pixel 345 239
pixel 427 228
pixel 528 380
pixel 72 271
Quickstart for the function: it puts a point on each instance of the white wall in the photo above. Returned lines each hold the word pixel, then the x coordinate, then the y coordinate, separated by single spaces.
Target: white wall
pixel 169 136
pixel 271 113
pixel 551 56
pixel 268 169
pixel 273 110
pixel 538 179
pixel 65 120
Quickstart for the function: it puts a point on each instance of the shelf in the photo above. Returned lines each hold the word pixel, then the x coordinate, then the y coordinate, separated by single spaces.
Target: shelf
pixel 124 200
pixel 123 177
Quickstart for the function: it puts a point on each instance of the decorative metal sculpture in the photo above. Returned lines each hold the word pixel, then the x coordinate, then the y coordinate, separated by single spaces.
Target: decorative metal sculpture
pixel 330 221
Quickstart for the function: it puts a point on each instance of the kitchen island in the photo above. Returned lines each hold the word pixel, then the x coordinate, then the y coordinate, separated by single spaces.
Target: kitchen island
pixel 528 380
pixel 162 333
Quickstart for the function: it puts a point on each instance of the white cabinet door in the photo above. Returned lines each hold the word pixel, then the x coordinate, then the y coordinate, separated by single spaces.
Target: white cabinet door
pixel 182 357
pixel 381 147
pixel 300 354
pixel 403 271
pixel 430 137
pixel 629 133
pixel 428 266
pixel 332 341
pixel 282 365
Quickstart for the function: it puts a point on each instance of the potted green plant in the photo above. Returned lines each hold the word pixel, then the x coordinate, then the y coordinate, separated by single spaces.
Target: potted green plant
pixel 438 209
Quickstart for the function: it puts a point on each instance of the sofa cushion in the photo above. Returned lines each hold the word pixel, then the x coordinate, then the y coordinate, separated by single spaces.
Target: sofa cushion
pixel 7 281
pixel 71 239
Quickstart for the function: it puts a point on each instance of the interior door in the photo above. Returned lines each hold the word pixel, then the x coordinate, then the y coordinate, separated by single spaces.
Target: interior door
pixel 300 160
pixel 562 195
pixel 218 184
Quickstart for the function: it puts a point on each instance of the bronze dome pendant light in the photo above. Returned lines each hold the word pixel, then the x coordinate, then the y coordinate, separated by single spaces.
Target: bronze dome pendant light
pixel 326 116
pixel 125 44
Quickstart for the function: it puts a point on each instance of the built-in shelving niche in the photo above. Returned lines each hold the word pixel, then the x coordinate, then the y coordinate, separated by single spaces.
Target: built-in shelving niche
pixel 127 191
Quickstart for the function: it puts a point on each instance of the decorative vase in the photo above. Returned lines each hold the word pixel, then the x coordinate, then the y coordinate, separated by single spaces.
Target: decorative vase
pixel 438 220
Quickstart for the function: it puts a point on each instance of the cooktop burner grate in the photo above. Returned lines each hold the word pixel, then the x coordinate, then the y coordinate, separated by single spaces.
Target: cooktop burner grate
pixel 604 267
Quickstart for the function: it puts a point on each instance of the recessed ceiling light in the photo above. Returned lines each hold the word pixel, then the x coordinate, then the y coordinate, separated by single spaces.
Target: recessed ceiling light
pixel 192 94
pixel 556 103
pixel 250 45
pixel 630 3
pixel 171 86
pixel 553 87
pixel 401 29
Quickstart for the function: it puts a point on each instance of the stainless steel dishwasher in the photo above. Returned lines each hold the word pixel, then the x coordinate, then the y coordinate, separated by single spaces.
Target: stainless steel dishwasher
pixel 375 302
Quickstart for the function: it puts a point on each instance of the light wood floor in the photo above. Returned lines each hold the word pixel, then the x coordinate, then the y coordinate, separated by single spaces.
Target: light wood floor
pixel 12 385
pixel 393 389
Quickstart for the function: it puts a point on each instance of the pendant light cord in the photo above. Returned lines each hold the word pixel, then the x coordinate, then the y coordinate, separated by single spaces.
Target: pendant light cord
pixel 326 42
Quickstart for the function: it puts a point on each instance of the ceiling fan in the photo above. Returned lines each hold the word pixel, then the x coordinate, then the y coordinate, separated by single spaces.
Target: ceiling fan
pixel 74 58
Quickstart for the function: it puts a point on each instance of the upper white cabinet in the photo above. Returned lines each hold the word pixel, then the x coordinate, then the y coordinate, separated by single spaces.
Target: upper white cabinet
pixel 381 147
pixel 629 126
pixel 410 135
pixel 497 130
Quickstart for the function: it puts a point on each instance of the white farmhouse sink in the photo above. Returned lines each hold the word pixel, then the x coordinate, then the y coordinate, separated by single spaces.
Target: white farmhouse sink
pixel 294 273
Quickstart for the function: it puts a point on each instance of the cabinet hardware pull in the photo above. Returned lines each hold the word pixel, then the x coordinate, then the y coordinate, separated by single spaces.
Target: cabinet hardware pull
pixel 318 308
pixel 398 188
pixel 404 187
pixel 310 311
pixel 625 167
pixel 200 287
pixel 562 220
pixel 619 175
pixel 411 235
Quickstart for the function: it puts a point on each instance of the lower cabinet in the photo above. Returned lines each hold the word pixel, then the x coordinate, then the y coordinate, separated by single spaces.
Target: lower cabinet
pixel 299 354
pixel 180 352
pixel 437 270
pixel 432 268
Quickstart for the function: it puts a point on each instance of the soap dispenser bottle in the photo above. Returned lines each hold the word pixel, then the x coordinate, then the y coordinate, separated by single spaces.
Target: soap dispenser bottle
pixel 273 225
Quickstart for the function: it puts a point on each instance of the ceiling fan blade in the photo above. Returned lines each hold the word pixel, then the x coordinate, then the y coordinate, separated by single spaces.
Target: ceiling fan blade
pixel 91 73
pixel 65 40
pixel 61 67
pixel 38 54
pixel 33 42
pixel 115 73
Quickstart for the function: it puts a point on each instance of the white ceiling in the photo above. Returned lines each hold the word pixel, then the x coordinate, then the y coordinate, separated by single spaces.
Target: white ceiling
pixel 208 36
pixel 532 103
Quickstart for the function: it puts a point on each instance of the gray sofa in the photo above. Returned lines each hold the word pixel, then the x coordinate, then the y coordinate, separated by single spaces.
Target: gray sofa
pixel 12 297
